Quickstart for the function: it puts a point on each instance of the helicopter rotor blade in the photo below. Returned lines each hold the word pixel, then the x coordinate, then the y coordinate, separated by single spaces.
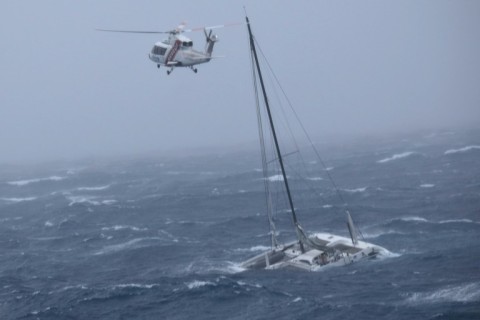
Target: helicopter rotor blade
pixel 213 27
pixel 177 30
pixel 133 31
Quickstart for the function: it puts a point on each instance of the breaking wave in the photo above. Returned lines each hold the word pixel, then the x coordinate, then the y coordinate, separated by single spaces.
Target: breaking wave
pixel 93 188
pixel 253 249
pixel 89 200
pixel 397 156
pixel 376 234
pixel 427 185
pixel 198 284
pixel 423 220
pixel 118 228
pixel 29 181
pixel 15 200
pixel 357 190
pixel 461 293
pixel 275 178
pixel 124 246
pixel 464 149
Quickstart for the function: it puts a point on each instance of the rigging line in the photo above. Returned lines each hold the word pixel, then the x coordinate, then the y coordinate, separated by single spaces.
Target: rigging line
pixel 339 195
pixel 285 121
pixel 306 180
pixel 268 198
pixel 277 146
pixel 337 190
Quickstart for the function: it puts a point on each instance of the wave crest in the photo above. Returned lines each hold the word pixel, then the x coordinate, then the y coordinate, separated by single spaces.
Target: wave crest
pixel 397 156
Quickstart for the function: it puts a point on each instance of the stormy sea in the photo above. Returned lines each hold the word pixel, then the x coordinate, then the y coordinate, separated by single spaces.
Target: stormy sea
pixel 162 237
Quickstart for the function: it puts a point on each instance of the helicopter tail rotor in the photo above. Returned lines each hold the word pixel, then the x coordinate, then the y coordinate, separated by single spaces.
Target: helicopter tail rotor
pixel 210 41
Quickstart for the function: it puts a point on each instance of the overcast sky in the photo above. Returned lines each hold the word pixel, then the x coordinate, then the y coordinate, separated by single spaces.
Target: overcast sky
pixel 349 67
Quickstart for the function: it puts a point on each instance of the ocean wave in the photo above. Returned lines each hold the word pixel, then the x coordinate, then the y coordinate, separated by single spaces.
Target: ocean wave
pixel 427 185
pixel 89 200
pixel 94 188
pixel 124 246
pixel 357 190
pixel 410 219
pixel 458 221
pixel 198 284
pixel 253 249
pixel 423 220
pixel 135 286
pixel 78 286
pixel 15 200
pixel 29 181
pixel 120 227
pixel 48 223
pixel 461 293
pixel 315 179
pixel 461 150
pixel 376 234
pixel 82 199
pixel 275 178
pixel 397 156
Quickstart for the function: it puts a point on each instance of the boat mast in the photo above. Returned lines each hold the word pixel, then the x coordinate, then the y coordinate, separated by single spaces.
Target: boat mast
pixel 272 127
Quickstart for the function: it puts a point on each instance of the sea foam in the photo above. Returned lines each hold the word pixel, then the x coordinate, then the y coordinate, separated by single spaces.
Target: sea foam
pixel 29 181
pixel 18 199
pixel 464 149
pixel 397 156
pixel 462 293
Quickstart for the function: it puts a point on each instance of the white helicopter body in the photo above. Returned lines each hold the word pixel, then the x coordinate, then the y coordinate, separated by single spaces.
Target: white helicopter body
pixel 177 50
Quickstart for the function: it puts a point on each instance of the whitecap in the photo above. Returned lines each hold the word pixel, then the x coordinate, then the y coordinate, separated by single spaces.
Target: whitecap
pixel 297 299
pixel 460 293
pixel 123 246
pixel 109 202
pixel 82 199
pixel 315 179
pixel 121 227
pixel 18 199
pixel 397 156
pixel 78 286
pixel 418 219
pixel 458 221
pixel 29 181
pixel 464 149
pixel 373 235
pixel 427 185
pixel 99 188
pixel 49 224
pixel 253 249
pixel 275 178
pixel 355 190
pixel 198 284
pixel 135 286
pixel 327 206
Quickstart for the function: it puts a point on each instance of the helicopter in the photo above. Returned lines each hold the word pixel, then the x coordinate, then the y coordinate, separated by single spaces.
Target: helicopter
pixel 177 50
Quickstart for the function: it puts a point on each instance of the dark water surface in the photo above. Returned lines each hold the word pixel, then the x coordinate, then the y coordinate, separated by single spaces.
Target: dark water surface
pixel 162 238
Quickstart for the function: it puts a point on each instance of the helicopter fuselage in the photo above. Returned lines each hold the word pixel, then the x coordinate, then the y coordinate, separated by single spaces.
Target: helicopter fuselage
pixel 177 51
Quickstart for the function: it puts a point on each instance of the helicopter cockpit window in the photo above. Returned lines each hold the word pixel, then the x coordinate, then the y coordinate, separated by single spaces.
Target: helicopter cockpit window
pixel 187 43
pixel 159 50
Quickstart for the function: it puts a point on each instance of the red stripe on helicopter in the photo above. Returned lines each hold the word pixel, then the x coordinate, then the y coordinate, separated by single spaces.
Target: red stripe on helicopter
pixel 173 51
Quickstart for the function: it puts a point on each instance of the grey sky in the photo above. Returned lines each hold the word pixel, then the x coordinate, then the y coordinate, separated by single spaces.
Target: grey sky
pixel 349 67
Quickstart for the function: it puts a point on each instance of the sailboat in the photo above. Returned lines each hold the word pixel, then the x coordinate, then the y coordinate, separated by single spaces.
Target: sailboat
pixel 312 252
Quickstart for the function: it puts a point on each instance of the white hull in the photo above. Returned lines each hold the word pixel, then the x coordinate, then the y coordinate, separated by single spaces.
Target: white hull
pixel 329 251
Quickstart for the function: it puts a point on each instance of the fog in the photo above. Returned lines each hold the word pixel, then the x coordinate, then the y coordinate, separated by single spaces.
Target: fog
pixel 349 67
